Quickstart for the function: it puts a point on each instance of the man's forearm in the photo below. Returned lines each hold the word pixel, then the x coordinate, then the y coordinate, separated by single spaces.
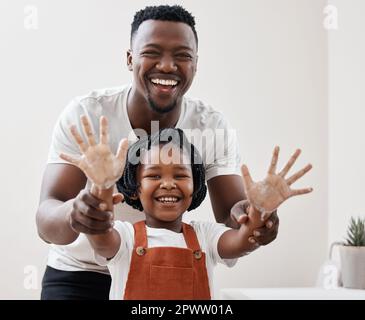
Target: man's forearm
pixel 53 222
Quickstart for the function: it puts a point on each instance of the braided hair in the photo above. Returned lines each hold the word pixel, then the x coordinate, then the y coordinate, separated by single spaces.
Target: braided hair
pixel 128 185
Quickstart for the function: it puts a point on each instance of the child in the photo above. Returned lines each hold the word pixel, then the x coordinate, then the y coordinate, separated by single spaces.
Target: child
pixel 162 257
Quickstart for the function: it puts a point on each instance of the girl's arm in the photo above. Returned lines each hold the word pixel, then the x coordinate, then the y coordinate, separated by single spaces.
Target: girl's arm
pixel 103 169
pixel 107 244
pixel 265 197
pixel 234 243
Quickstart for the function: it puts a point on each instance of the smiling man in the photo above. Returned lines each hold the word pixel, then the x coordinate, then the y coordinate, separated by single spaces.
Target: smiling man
pixel 163 59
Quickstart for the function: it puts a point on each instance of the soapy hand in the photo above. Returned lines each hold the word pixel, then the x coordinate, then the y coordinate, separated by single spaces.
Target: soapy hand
pixel 98 163
pixel 268 194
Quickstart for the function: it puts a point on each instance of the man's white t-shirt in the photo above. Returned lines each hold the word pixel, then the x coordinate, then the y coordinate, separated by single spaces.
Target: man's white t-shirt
pixel 206 128
pixel 208 234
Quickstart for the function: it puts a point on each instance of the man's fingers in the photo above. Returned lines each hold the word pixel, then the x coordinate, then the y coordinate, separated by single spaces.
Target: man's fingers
pixel 272 221
pixel 87 130
pixel 299 174
pixel 274 160
pixel 77 137
pixel 290 163
pixel 104 134
pixel 90 212
pixel 239 211
pixel 247 180
pixel 94 224
pixel 242 219
pixel 85 197
pixel 297 192
pixel 79 227
pixel 118 197
pixel 70 159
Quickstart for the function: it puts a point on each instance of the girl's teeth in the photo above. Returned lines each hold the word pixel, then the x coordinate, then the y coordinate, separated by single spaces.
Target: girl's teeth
pixel 168 199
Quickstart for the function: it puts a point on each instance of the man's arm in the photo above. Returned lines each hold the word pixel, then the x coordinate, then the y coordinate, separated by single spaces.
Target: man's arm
pixel 224 192
pixel 65 209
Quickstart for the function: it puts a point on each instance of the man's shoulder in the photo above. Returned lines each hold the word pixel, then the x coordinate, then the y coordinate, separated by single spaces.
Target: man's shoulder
pixel 104 93
pixel 108 99
pixel 202 114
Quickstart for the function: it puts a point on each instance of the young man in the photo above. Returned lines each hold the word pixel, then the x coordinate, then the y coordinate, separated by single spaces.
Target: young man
pixel 163 61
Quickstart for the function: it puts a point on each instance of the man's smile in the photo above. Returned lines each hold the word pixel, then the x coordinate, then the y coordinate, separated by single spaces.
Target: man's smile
pixel 163 84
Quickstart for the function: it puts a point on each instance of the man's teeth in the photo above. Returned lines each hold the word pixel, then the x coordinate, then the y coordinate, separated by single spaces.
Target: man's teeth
pixel 168 199
pixel 164 82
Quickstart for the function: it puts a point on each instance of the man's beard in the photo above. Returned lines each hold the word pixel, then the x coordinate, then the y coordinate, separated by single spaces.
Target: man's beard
pixel 158 109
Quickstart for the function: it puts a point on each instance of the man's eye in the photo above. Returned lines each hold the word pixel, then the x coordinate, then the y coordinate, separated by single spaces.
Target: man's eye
pixel 185 56
pixel 150 53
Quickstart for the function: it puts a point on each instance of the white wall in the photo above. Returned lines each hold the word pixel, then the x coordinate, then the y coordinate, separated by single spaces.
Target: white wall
pixel 263 63
pixel 346 117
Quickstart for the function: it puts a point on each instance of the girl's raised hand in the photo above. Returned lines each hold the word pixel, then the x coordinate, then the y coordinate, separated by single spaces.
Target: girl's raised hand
pixel 268 194
pixel 98 162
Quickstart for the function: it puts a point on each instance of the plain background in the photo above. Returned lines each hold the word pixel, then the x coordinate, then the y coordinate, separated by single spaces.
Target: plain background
pixel 271 67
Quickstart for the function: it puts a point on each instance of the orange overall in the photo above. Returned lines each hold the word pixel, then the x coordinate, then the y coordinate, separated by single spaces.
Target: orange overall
pixel 164 273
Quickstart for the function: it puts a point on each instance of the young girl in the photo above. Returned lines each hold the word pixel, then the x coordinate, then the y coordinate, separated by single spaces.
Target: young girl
pixel 163 257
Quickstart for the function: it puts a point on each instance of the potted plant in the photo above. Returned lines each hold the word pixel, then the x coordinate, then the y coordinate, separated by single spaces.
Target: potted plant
pixel 352 254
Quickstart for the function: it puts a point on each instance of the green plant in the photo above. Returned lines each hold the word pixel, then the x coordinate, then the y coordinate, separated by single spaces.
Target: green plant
pixel 356 233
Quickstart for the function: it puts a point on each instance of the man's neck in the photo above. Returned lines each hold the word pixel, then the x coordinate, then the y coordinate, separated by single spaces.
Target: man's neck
pixel 141 114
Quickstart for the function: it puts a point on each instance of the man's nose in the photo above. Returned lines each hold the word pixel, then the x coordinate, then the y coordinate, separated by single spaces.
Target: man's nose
pixel 168 184
pixel 166 64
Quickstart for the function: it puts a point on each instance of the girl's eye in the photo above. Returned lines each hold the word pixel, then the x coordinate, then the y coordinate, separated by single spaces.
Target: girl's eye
pixel 182 176
pixel 154 176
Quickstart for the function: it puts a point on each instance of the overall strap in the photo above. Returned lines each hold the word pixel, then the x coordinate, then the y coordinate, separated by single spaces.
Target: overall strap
pixel 190 237
pixel 140 234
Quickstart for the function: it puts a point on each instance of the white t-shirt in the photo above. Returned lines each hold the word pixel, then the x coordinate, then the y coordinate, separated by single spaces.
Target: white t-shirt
pixel 200 123
pixel 208 234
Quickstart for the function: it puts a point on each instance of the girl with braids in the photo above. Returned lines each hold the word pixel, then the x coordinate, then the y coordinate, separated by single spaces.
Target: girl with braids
pixel 162 175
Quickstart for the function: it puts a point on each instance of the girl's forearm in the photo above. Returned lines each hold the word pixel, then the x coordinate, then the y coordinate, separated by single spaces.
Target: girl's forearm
pixel 235 243
pixel 107 244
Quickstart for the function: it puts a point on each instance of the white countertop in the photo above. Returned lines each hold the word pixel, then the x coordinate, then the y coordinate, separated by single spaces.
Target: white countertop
pixel 291 294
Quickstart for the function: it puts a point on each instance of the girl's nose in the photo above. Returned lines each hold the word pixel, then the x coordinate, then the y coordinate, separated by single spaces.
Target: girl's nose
pixel 168 184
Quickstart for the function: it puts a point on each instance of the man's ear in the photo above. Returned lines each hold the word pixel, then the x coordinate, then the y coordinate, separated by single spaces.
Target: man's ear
pixel 129 60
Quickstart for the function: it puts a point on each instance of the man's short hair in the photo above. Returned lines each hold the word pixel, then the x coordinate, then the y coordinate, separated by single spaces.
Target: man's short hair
pixel 174 13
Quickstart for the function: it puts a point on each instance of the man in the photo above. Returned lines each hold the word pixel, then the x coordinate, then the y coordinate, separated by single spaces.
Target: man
pixel 163 59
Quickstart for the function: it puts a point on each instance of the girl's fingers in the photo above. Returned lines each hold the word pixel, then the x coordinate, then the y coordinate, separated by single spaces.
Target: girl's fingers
pixel 297 192
pixel 290 163
pixel 299 174
pixel 77 137
pixel 247 180
pixel 122 150
pixel 104 134
pixel 274 160
pixel 87 130
pixel 70 159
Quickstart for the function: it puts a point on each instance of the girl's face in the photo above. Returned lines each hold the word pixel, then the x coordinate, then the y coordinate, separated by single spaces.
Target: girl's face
pixel 166 185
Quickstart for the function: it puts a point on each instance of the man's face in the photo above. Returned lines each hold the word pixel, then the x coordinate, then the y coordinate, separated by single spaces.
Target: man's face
pixel 163 59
